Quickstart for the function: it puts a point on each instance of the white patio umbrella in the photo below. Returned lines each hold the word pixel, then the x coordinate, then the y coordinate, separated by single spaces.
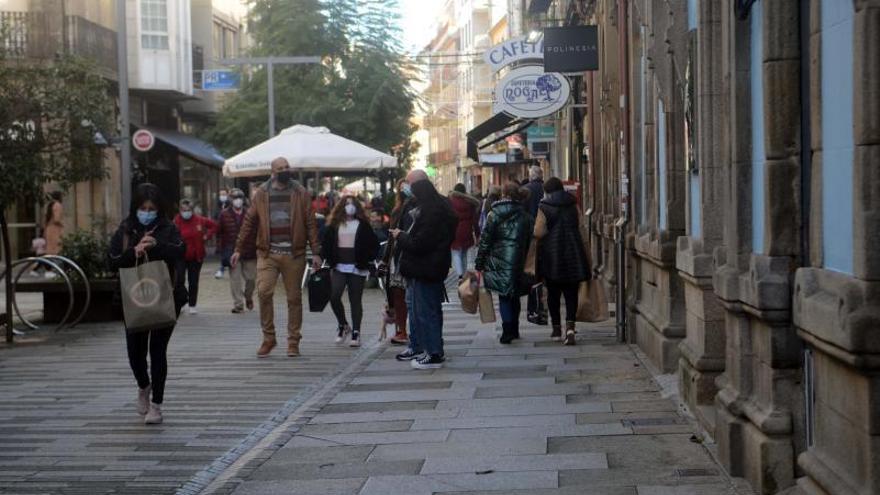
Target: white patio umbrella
pixel 358 186
pixel 310 149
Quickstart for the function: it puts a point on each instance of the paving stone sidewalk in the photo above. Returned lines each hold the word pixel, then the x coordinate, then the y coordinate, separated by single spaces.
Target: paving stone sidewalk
pixel 530 418
pixel 67 419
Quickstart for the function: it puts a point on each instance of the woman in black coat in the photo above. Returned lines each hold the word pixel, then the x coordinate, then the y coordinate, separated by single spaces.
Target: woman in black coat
pixel 349 247
pixel 562 255
pixel 147 232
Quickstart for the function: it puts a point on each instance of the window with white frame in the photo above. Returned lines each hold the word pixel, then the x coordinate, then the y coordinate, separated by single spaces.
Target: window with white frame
pixel 154 24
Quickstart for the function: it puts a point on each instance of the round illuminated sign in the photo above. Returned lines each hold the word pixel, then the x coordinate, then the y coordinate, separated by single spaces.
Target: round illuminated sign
pixel 143 140
pixel 528 92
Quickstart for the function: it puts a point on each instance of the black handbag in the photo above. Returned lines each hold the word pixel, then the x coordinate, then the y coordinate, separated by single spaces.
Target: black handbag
pixel 319 287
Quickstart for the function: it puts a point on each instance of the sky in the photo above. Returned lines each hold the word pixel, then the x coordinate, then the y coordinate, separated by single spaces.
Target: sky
pixel 418 22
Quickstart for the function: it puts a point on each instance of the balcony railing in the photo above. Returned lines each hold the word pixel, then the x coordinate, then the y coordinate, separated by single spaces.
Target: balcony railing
pixel 93 41
pixel 34 35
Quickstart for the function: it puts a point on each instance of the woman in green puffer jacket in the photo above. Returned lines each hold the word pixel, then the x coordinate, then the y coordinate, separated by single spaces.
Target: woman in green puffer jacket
pixel 502 252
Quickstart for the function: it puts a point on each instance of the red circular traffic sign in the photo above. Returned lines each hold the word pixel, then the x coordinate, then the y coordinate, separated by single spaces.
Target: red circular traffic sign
pixel 143 140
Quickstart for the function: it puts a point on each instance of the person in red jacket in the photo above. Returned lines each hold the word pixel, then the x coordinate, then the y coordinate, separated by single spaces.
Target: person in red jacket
pixel 194 230
pixel 466 208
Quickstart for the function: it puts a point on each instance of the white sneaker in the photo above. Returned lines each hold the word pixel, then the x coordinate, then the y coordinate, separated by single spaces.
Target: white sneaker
pixel 341 333
pixel 143 400
pixel 192 310
pixel 218 274
pixel 154 416
pixel 355 339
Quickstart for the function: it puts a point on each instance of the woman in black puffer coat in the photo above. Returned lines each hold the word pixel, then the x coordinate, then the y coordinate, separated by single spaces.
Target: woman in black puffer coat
pixel 562 262
pixel 502 252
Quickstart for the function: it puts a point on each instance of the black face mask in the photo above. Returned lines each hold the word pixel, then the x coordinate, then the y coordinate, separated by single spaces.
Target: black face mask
pixel 283 177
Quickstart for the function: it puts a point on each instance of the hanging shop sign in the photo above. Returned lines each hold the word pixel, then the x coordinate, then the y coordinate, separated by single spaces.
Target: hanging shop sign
pixel 571 49
pixel 514 50
pixel 143 140
pixel 528 92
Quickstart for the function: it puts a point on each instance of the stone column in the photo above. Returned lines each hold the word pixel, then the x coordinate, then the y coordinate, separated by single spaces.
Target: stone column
pixel 838 314
pixel 759 406
pixel 702 351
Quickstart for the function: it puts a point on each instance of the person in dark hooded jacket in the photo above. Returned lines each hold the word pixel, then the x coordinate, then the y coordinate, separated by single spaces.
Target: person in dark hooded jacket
pixel 425 257
pixel 502 252
pixel 563 260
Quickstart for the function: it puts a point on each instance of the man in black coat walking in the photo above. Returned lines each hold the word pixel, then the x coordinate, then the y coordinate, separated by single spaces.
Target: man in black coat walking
pixel 424 263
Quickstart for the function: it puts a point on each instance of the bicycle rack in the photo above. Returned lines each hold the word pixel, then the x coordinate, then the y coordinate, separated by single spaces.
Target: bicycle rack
pixel 54 262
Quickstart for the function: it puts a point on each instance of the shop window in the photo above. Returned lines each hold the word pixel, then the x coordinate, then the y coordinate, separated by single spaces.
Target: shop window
pixel 756 83
pixel 837 134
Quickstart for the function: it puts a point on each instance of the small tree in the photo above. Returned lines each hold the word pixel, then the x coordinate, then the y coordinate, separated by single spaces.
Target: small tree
pixel 49 116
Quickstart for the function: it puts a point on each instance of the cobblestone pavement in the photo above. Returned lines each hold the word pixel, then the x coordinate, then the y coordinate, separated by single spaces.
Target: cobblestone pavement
pixel 530 418
pixel 67 418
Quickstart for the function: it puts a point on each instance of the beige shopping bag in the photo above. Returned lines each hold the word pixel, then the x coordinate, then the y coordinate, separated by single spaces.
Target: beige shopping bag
pixel 468 293
pixel 592 301
pixel 147 297
pixel 487 307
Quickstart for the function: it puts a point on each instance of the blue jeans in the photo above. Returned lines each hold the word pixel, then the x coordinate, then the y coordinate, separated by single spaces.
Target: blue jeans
pixel 460 261
pixel 509 308
pixel 426 313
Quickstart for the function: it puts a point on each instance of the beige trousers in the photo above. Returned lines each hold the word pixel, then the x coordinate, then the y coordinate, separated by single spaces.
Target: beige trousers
pixel 291 269
pixel 242 282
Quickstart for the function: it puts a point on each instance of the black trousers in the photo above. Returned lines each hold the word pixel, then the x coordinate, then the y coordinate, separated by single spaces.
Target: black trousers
pixel 154 342
pixel 355 284
pixel 192 269
pixel 555 293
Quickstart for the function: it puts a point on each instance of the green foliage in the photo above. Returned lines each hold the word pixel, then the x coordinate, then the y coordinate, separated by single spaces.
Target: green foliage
pixel 50 114
pixel 361 91
pixel 89 251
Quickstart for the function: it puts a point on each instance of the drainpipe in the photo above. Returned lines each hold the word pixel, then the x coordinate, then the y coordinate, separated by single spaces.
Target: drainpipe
pixel 620 224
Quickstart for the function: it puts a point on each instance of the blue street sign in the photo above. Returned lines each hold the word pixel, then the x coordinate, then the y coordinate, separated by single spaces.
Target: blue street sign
pixel 220 80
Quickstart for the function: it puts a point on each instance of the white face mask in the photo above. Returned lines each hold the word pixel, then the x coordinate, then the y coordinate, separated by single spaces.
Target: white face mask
pixel 223 198
pixel 186 214
pixel 350 209
pixel 237 203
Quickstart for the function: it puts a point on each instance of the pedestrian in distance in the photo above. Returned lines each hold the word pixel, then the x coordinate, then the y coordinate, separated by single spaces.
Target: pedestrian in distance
pixel 563 260
pixel 282 223
pixel 501 255
pixel 243 276
pixel 349 247
pixel 401 220
pixel 493 195
pixel 467 209
pixel 148 234
pixel 223 203
pixel 536 194
pixel 53 224
pixel 195 230
pixel 424 263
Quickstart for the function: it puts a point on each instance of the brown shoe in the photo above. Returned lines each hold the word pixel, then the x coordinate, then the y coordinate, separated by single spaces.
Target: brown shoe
pixel 400 338
pixel 249 304
pixel 292 349
pixel 266 347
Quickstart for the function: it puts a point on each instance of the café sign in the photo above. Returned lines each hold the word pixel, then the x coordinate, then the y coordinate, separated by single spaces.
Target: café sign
pixel 514 50
pixel 529 92
pixel 571 49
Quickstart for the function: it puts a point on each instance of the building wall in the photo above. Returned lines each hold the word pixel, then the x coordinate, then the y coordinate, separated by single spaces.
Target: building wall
pixel 752 268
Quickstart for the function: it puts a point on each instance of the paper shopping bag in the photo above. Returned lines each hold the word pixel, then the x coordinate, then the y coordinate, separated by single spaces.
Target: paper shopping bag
pixel 147 297
pixel 468 293
pixel 592 301
pixel 487 308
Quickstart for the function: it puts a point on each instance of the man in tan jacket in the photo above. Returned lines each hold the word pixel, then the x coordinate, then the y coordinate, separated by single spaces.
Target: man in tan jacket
pixel 283 222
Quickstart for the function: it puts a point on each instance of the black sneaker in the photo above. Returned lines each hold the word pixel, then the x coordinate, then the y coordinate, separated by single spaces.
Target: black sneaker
pixel 428 362
pixel 570 338
pixel 408 355
pixel 355 339
pixel 341 332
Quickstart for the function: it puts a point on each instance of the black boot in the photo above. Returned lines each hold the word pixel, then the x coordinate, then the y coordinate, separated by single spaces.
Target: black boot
pixel 506 333
pixel 515 330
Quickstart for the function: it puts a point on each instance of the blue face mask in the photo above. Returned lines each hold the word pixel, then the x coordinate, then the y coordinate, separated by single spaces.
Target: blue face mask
pixel 407 190
pixel 146 217
pixel 186 215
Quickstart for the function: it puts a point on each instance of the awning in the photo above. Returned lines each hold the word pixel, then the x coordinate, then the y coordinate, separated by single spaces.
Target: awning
pixel 539 6
pixel 498 122
pixel 190 146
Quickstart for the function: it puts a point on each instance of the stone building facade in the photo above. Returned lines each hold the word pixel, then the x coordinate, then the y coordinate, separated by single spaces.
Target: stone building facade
pixel 738 143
